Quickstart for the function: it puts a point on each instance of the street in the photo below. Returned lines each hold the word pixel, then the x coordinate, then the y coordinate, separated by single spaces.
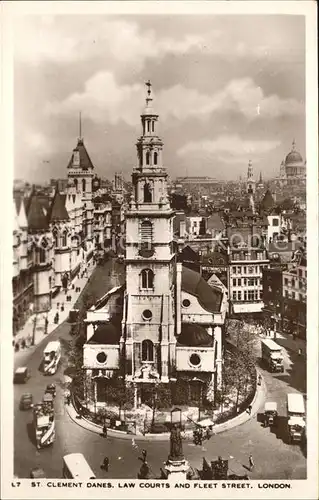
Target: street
pixel 274 459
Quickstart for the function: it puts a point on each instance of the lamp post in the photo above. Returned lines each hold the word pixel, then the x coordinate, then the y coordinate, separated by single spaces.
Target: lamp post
pixel 176 417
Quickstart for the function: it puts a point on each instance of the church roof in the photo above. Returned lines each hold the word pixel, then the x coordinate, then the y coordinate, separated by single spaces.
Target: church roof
pixel 105 333
pixel 37 213
pixel 209 297
pixel 194 335
pixel 294 156
pixel 85 160
pixel 58 211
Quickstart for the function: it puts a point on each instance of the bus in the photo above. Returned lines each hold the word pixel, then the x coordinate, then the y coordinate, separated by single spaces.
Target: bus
pixel 51 357
pixel 75 466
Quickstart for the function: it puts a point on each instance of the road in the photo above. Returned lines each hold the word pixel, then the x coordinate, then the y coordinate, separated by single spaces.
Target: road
pixel 274 459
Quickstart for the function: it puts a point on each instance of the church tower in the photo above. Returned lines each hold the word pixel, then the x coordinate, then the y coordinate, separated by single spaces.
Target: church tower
pixel 251 183
pixel 148 319
pixel 80 176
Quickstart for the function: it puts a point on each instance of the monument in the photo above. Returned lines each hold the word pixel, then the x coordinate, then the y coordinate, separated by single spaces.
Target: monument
pixel 176 465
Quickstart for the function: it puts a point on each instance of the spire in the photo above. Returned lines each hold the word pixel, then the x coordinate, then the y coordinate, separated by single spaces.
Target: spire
pixel 149 98
pixel 293 145
pixel 260 179
pixel 80 126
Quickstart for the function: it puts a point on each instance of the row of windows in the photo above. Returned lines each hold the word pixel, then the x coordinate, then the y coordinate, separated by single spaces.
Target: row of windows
pixel 294 283
pixel 246 269
pixel 148 158
pixel 76 184
pixel 247 295
pixel 294 295
pixel 253 255
pixel 246 281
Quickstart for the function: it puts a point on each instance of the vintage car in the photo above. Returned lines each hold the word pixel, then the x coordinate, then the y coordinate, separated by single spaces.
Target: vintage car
pixel 270 413
pixel 26 401
pixel 21 375
pixel 51 389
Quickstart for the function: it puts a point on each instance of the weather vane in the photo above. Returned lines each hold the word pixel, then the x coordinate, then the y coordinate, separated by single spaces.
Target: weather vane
pixel 149 85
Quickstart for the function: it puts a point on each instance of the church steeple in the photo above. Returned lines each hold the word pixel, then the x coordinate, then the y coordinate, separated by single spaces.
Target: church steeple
pixel 250 178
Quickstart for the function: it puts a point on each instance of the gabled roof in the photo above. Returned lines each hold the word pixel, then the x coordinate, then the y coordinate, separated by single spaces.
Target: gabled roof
pixel 58 211
pixel 37 213
pixel 209 297
pixel 85 160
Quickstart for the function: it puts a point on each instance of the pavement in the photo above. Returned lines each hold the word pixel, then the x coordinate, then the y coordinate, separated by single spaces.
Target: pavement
pixel 36 328
pixel 240 419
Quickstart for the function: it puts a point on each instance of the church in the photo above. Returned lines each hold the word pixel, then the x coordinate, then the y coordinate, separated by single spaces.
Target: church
pixel 165 323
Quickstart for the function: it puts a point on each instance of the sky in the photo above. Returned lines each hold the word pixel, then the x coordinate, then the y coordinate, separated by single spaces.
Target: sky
pixel 227 88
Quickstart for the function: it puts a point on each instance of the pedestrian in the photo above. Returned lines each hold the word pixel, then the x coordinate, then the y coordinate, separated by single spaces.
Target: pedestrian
pixel 144 455
pixel 106 463
pixel 68 399
pixel 23 344
pixel 249 408
pixel 208 433
pixel 251 462
pixel 104 431
pixel 259 379
pixel 299 352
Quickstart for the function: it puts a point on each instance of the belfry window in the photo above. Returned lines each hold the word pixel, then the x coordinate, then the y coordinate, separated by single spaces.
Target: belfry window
pixel 147 350
pixel 147 278
pixel 146 232
pixel 148 126
pixel 42 255
pixel 153 126
pixel 64 239
pixel 76 184
pixel 147 158
pixel 155 158
pixel 83 185
pixel 147 193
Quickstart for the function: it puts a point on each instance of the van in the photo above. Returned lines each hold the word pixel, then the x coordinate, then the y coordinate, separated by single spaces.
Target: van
pixel 21 375
pixel 75 466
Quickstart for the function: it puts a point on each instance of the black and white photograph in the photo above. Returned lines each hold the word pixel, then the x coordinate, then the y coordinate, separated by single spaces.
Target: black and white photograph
pixel 160 268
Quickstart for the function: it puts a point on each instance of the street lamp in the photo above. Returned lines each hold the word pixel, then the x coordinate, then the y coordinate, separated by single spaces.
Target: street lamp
pixel 176 417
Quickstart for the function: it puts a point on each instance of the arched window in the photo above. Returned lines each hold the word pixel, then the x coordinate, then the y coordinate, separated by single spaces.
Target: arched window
pixel 83 185
pixel 64 238
pixel 153 125
pixel 147 350
pixel 147 158
pixel 148 126
pixel 147 193
pixel 42 255
pixel 146 232
pixel 76 184
pixel 147 278
pixel 155 158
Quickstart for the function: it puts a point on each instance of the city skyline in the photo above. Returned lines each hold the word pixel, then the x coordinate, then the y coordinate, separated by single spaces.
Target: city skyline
pixel 225 94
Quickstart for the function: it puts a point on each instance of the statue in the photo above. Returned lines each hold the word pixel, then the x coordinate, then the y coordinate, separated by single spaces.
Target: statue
pixel 176 450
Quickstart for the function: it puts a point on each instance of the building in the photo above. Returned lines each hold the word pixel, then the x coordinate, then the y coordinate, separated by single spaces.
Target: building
pixel 251 183
pixel 246 262
pixel 294 295
pixel 164 325
pixel 22 279
pixel 293 170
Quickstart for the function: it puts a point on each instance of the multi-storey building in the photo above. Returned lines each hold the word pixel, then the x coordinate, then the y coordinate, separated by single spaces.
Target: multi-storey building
pixel 165 323
pixel 294 294
pixel 245 266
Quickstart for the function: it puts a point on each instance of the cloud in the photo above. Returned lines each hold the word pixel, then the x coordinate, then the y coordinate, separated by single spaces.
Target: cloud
pixel 229 148
pixel 105 100
pixel 56 40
